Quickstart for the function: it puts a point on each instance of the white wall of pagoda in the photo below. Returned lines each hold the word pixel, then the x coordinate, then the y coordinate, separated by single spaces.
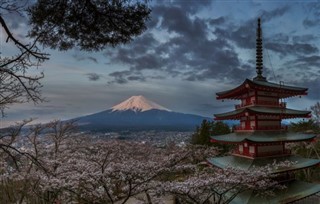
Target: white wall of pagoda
pixel 254 150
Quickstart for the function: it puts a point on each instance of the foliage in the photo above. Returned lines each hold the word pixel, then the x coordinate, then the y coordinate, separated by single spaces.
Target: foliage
pixel 305 126
pixel 221 186
pixel 89 25
pixel 308 149
pixel 316 112
pixel 211 128
pixel 16 84
pixel 207 129
pixel 55 166
pixel 202 133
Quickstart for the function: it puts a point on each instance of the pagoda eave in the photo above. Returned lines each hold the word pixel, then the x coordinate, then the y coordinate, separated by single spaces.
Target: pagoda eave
pixel 282 91
pixel 294 191
pixel 263 136
pixel 284 113
pixel 249 163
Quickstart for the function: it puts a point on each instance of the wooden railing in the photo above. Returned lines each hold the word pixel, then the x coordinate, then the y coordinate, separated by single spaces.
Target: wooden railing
pixel 263 154
pixel 282 127
pixel 266 154
pixel 264 103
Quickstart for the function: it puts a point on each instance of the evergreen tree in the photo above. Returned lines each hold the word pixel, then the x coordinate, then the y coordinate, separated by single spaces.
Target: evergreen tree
pixel 220 128
pixel 305 126
pixel 207 129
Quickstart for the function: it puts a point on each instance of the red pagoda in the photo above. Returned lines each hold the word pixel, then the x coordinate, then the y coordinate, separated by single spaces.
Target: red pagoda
pixel 260 138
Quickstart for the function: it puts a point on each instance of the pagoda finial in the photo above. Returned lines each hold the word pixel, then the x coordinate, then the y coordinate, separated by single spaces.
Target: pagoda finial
pixel 259 54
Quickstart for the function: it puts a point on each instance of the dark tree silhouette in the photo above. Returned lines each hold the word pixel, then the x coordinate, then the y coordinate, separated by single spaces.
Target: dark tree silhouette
pixel 16 84
pixel 87 24
pixel 207 129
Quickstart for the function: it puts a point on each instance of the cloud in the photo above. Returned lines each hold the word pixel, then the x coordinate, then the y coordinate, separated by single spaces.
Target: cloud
pixel 190 6
pixel 307 61
pixel 123 77
pixel 280 38
pixel 186 49
pixel 244 35
pixel 313 86
pixel 292 49
pixel 188 54
pixel 82 58
pixel 304 38
pixel 93 76
pixel 217 21
pixel 178 21
pixel 313 17
pixel 307 23
pixel 269 15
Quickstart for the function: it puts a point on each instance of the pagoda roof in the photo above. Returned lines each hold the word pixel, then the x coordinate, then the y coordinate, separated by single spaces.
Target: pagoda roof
pixel 285 112
pixel 263 137
pixel 294 191
pixel 286 91
pixel 248 163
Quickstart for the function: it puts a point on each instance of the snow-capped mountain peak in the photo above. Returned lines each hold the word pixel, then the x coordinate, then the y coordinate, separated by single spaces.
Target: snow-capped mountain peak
pixel 138 103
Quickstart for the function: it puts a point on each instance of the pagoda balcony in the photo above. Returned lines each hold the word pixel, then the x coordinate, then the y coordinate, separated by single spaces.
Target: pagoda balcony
pixel 263 103
pixel 286 152
pixel 263 128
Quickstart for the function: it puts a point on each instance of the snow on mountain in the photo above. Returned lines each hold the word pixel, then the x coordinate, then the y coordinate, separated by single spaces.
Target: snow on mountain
pixel 138 104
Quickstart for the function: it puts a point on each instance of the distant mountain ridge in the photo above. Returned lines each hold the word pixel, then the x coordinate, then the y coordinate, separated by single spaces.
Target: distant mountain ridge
pixel 137 114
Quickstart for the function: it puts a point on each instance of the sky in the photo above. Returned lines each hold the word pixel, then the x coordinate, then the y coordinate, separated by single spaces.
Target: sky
pixel 190 50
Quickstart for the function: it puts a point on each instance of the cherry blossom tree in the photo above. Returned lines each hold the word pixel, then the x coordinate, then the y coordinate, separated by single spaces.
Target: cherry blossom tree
pixel 56 165
pixel 214 185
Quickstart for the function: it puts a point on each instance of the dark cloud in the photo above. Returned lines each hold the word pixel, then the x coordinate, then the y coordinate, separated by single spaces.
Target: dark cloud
pixel 303 38
pixel 136 78
pixel 280 38
pixel 313 18
pixel 292 49
pixel 217 21
pixel 123 77
pixel 245 35
pixel 82 58
pixel 269 15
pixel 189 52
pixel 302 71
pixel 119 77
pixel 178 21
pixel 93 76
pixel 142 44
pixel 307 61
pixel 307 23
pixel 148 61
pixel 190 55
pixel 189 6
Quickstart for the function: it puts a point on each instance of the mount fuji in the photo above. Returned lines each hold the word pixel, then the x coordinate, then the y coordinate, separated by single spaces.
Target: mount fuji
pixel 137 114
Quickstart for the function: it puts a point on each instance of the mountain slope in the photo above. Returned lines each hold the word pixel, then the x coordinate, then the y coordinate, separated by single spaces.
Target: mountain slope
pixel 138 113
pixel 147 120
pixel 138 103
